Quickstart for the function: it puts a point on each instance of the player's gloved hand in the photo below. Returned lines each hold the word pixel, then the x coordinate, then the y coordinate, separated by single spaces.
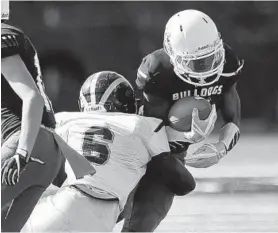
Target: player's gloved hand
pixel 12 167
pixel 207 155
pixel 200 129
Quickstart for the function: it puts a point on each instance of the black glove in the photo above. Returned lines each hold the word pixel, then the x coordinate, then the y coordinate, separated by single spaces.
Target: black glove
pixel 13 166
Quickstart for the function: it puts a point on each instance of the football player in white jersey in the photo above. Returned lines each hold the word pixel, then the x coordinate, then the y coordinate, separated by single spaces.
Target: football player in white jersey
pixel 118 143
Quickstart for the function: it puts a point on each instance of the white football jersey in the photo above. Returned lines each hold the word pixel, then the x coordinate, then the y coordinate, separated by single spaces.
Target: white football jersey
pixel 118 145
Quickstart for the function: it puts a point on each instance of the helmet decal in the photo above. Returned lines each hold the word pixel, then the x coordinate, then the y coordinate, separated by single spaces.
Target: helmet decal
pixel 110 89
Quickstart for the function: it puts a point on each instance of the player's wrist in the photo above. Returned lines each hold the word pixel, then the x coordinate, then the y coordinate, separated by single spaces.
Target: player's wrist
pixel 221 147
pixel 24 154
pixel 194 137
pixel 174 135
pixel 229 135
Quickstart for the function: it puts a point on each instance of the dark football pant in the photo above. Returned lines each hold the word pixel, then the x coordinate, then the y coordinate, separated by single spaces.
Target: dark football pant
pixel 18 201
pixel 151 201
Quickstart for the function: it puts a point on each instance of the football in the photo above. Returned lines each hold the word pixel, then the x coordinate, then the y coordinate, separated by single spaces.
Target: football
pixel 180 114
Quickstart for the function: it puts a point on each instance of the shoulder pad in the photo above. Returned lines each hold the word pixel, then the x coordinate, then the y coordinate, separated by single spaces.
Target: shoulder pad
pixel 60 117
pixel 154 124
pixel 146 126
pixel 64 117
pixel 233 64
pixel 152 65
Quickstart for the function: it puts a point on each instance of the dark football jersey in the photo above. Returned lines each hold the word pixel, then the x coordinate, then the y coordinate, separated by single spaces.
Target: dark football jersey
pixel 156 76
pixel 13 42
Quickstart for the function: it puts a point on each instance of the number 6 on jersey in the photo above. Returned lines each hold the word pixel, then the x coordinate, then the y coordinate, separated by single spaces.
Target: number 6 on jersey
pixel 95 147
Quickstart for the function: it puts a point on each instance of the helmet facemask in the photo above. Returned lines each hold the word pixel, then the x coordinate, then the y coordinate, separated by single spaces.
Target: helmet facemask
pixel 200 68
pixel 122 99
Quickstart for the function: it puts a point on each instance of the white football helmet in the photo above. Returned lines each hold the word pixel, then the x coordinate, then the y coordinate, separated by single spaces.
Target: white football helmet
pixel 5 10
pixel 195 47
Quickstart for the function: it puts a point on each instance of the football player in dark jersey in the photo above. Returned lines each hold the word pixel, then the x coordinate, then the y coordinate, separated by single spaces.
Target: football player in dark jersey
pixel 30 156
pixel 193 62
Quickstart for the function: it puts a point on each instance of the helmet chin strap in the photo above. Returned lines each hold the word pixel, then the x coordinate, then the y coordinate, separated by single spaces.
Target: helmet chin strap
pixel 235 72
pixel 202 83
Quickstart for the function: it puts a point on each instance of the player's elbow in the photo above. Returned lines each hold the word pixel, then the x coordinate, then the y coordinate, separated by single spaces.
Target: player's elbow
pixel 33 95
pixel 33 98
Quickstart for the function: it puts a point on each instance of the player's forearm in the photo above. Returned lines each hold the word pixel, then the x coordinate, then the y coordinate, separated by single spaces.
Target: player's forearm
pixel 229 135
pixel 155 106
pixel 211 153
pixel 231 113
pixel 32 110
pixel 230 132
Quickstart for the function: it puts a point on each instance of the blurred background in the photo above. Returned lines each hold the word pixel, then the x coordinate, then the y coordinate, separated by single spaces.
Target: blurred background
pixel 75 39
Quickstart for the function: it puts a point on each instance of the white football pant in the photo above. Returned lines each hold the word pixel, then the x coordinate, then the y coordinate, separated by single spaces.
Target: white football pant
pixel 70 210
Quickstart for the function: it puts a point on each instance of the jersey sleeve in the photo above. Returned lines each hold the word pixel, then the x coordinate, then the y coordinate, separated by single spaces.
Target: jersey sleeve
pixel 154 136
pixel 143 76
pixel 232 68
pixel 59 118
pixel 61 129
pixel 10 43
pixel 62 118
pixel 158 142
pixel 149 74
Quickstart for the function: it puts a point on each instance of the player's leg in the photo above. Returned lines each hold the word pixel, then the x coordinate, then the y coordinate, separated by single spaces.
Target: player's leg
pixel 21 208
pixel 154 195
pixel 71 210
pixel 128 206
pixel 51 214
pixel 61 176
pixel 151 203
pixel 33 181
